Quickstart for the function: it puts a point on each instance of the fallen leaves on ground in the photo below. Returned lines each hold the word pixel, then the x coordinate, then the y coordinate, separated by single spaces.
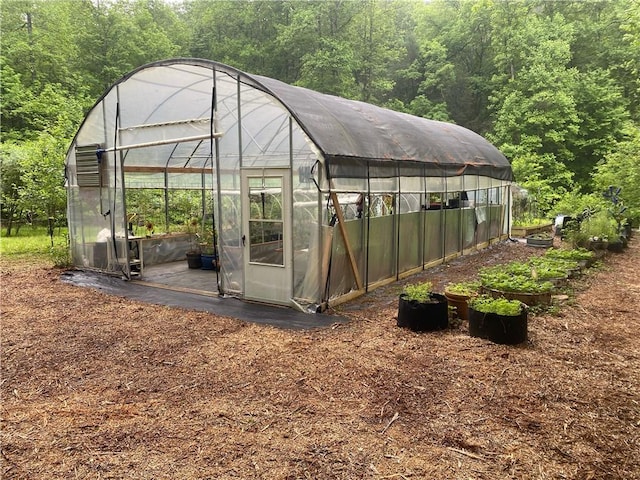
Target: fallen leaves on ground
pixel 98 386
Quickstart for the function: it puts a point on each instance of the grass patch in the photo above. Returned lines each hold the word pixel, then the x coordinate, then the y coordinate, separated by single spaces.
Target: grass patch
pixel 35 242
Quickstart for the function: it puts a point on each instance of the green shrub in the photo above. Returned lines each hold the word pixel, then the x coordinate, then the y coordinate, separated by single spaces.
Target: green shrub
pixel 60 255
pixel 600 226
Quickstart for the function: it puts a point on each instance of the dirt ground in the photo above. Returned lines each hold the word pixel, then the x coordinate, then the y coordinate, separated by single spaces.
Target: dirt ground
pixel 95 386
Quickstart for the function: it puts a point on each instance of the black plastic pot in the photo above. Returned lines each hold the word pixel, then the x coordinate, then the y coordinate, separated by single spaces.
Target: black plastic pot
pixel 534 241
pixel 616 247
pixel 503 329
pixel 194 260
pixel 423 316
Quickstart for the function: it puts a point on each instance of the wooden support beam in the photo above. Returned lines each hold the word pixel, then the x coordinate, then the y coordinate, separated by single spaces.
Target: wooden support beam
pixel 345 237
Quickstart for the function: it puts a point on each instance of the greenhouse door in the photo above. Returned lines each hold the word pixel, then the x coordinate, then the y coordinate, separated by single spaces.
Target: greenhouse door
pixel 266 235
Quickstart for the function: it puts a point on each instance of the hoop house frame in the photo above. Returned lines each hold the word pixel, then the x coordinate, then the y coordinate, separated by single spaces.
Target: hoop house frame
pixel 306 200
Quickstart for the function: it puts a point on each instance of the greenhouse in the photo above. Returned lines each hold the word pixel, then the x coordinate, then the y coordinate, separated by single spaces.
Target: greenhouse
pixel 279 194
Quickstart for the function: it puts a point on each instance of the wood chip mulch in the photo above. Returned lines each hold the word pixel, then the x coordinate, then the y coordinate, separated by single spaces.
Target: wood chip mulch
pixel 96 386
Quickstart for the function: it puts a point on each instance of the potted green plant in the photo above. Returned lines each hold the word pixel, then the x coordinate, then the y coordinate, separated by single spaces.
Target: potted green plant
pixel 599 228
pixel 194 260
pixel 420 309
pixel 554 270
pixel 583 257
pixel 458 295
pixel 499 320
pixel 208 255
pixel 509 282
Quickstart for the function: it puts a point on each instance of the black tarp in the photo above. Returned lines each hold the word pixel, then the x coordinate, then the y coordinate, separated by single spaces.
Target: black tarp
pixel 351 134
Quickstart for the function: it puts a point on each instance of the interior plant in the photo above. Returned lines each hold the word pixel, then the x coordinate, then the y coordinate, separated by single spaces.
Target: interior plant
pixel 499 320
pixel 207 246
pixel 422 309
pixel 193 254
pixel 207 242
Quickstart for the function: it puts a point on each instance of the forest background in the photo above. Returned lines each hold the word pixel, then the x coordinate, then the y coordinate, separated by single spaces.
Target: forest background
pixel 554 84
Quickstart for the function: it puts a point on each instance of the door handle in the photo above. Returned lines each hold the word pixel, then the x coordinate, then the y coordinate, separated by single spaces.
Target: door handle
pixel 243 239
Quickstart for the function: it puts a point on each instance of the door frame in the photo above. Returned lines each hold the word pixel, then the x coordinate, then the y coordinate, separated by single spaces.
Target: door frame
pixel 264 281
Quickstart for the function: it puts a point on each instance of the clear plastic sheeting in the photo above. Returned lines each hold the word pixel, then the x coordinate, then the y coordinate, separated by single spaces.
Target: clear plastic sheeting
pixel 180 155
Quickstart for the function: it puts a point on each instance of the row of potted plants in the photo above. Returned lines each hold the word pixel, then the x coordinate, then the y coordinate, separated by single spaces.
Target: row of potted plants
pixel 496 305
pixel 497 319
pixel 604 227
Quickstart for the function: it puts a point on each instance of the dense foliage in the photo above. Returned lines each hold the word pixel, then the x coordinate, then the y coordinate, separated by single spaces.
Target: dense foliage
pixel 555 85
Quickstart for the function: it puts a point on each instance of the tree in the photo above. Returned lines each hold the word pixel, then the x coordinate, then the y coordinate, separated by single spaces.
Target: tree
pixel 433 74
pixel 378 32
pixel 38 41
pixel 117 37
pixel 535 111
pixel 42 192
pixel 455 61
pixel 621 168
pixel 10 186
pixel 601 112
pixel 13 96
pixel 546 179
pixel 607 37
pixel 630 25
pixel 242 34
pixel 322 33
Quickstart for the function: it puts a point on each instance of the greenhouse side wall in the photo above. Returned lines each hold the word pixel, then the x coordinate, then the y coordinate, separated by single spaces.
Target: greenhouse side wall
pixel 386 247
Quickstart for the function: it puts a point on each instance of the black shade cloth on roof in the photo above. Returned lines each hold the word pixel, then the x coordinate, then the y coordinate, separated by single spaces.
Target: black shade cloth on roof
pixel 348 132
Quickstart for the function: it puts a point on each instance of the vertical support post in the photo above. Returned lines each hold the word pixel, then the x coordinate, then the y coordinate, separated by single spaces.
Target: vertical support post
pixel 443 220
pixel 396 221
pixel 368 220
pixel 166 201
